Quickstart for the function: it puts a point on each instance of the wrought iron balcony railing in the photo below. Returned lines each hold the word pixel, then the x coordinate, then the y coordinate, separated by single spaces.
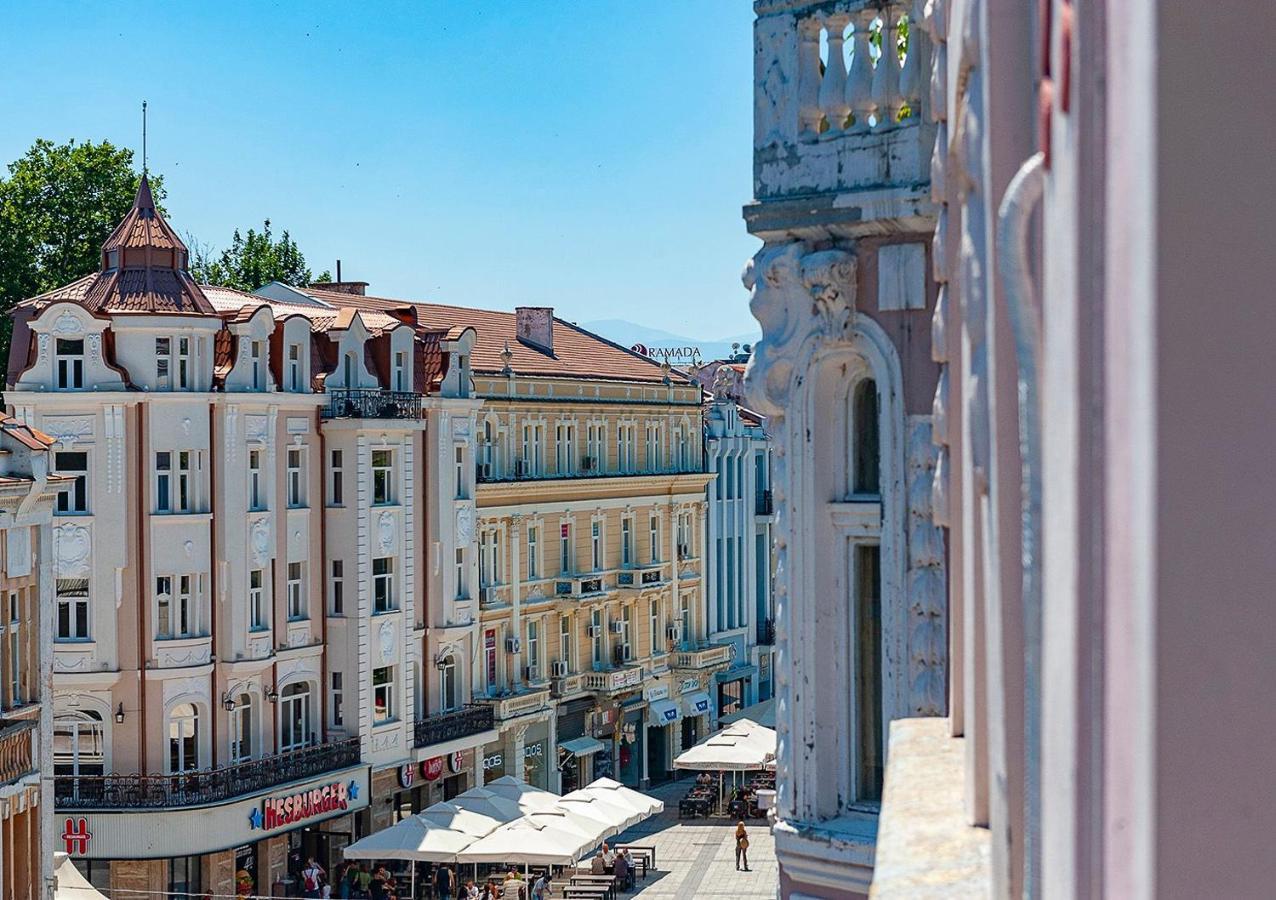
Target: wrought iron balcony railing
pixel 16 750
pixel 372 403
pixel 202 787
pixel 448 726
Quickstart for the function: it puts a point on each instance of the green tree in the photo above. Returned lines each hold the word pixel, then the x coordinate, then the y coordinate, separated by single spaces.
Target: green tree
pixel 58 205
pixel 252 260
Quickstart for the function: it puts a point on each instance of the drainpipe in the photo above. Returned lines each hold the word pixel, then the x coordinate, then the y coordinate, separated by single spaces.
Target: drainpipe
pixel 215 712
pixel 1024 308
pixel 143 591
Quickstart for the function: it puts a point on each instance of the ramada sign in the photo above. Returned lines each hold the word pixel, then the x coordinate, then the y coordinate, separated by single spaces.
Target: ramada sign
pixel 279 811
pixel 675 356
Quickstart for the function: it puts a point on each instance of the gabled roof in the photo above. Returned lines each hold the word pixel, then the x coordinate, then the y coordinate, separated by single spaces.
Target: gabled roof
pixel 29 437
pixel 577 353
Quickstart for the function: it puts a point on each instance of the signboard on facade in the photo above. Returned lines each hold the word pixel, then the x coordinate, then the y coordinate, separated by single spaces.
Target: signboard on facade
pixel 656 692
pixel 432 768
pixel 493 761
pixel 624 678
pixel 405 775
pixel 689 685
pixel 456 762
pixel 675 356
pixel 165 833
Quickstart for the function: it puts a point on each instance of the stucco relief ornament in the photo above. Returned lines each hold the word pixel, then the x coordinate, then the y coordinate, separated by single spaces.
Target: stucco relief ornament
pixel 259 538
pixel 95 347
pixel 72 548
pixel 66 324
pixel 385 531
pixel 465 524
pixel 386 642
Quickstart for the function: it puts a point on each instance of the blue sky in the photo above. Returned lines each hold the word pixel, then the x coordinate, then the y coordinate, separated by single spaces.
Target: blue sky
pixel 590 156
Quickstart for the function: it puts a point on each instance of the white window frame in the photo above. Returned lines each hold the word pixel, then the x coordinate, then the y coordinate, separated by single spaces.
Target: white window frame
pixel 383 695
pixel 257 600
pixel 337 468
pixel 533 551
pixel 256 356
pixel 77 608
pixel 626 541
pixel 383 596
pixel 294 734
pixel 383 486
pixel 461 592
pixel 296 592
pixel 653 535
pixel 565 640
pixel 241 730
pixel 337 594
pixel 73 501
pixel 296 469
pixel 294 368
pixel 566 552
pixel 596 545
pixel 337 692
pixel 256 488
pixel 164 363
pixel 70 363
pixel 533 649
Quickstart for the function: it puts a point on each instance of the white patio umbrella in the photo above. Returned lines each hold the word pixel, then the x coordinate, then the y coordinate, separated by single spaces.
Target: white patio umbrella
pixel 528 842
pixel 616 815
pixel 457 818
pixel 71 884
pixel 486 803
pixel 615 792
pixel 743 746
pixel 567 820
pixel 528 798
pixel 415 838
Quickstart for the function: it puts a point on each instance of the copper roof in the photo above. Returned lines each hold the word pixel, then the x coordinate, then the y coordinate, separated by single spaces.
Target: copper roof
pixel 25 434
pixel 577 353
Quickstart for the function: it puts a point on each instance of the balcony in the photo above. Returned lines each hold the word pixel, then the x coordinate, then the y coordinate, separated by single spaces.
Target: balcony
pixel 567 685
pixel 513 705
pixel 613 681
pixel 132 792
pixel 449 726
pixel 766 633
pixel 706 657
pixel 372 403
pixel 764 504
pixel 641 576
pixel 16 756
pixel 582 588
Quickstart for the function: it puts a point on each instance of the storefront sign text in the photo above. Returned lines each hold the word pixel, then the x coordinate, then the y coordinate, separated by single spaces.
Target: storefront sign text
pixel 456 762
pixel 656 692
pixel 689 685
pixel 495 761
pixel 77 836
pixel 405 776
pixel 432 768
pixel 276 812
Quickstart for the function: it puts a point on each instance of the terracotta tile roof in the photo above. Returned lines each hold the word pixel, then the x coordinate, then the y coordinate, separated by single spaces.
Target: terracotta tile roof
pixel 577 353
pixel 73 292
pixel 25 434
pixel 143 226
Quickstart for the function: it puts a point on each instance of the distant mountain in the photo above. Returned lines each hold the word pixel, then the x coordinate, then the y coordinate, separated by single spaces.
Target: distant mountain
pixel 628 333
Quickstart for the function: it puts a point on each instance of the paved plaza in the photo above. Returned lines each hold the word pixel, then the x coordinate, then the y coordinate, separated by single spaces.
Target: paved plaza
pixel 696 857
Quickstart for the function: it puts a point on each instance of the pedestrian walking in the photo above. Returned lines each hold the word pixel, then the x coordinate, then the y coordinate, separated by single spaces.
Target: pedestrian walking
pixel 741 846
pixel 312 877
pixel 443 882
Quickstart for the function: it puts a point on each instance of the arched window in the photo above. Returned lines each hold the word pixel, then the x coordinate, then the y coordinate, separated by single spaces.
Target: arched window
pixel 241 729
pixel 79 744
pixel 183 739
pixel 294 717
pixel 449 693
pixel 866 443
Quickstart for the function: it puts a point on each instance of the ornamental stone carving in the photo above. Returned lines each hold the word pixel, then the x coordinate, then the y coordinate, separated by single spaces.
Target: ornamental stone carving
pixel 386 641
pixel 66 324
pixel 255 429
pixel 259 540
pixel 385 531
pixel 72 547
pixel 465 525
pixel 68 429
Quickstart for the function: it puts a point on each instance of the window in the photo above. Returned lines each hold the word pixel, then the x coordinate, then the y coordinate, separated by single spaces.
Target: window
pixel 185 487
pixel 73 609
pixel 487 453
pixel 383 694
pixel 596 543
pixel 163 362
pixel 338 587
pixel 626 542
pixel 449 694
pixel 383 584
pixel 256 600
pixel 565 640
pixel 163 606
pixel 163 481
pixel 185 618
pixel 595 448
pixel 348 370
pixel 294 717
pixel 296 483
pixel 294 367
pixel 684 616
pixel 79 744
pixel 460 573
pixel 338 479
pixel 653 537
pixel 185 877
pixel 241 729
pixel 684 536
pixel 176 615
pixel 596 632
pixel 866 446
pixel 626 632
pixel 626 439
pixel 256 493
pixel 533 552
pixel 533 650
pixel 870 737
pixel 382 477
pixel 257 353
pixel 70 354
pixel 296 601
pixel 654 439
pixel 14 638
pixel 183 739
pixel 654 617
pixel 460 473
pixel 565 447
pixel 183 362
pixel 338 700
pixel 400 371
pixel 73 499
pixel 489 557
pixel 565 548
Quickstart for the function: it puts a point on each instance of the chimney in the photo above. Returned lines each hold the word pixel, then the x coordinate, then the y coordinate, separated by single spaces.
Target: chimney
pixel 359 288
pixel 535 327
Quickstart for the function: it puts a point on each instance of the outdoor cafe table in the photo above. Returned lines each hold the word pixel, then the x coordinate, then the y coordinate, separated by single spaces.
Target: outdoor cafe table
pixel 645 851
pixel 587 891
pixel 591 880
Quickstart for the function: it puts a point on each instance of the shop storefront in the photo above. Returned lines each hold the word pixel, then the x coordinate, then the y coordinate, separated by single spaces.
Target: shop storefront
pixel 606 730
pixel 493 761
pixel 731 691
pixel 536 756
pixel 576 748
pixel 253 844
pixel 663 718
pixel 697 709
pixel 632 744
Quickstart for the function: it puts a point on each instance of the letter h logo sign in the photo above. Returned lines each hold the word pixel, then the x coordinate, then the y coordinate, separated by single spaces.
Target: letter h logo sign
pixel 77 836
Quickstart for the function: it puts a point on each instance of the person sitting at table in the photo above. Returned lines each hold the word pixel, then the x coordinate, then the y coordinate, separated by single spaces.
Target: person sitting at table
pixel 597 866
pixel 620 868
pixel 609 856
pixel 514 888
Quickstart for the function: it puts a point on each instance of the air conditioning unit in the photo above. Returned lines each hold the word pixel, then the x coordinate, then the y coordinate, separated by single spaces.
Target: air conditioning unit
pixel 617 627
pixel 673 632
pixel 558 669
pixel 595 631
pixel 530 674
pixel 513 645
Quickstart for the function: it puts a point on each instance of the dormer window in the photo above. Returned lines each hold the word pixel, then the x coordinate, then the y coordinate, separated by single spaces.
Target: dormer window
pixel 348 371
pixel 294 367
pixel 113 259
pixel 70 354
pixel 400 371
pixel 257 353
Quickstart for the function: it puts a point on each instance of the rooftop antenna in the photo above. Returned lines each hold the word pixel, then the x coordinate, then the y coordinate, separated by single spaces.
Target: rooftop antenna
pixel 143 137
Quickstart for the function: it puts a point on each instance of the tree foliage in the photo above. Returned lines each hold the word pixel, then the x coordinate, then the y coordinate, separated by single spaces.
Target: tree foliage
pixel 252 260
pixel 58 205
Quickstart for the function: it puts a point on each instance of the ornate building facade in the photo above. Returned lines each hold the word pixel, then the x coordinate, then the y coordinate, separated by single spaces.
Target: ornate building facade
pixel 843 374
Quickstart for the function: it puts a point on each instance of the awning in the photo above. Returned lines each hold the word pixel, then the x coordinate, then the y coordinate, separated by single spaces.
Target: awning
pixel 697 704
pixel 582 746
pixel 664 712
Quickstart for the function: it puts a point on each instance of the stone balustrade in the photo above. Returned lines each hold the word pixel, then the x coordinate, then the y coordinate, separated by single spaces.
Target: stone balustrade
pixel 511 706
pixel 703 657
pixel 611 681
